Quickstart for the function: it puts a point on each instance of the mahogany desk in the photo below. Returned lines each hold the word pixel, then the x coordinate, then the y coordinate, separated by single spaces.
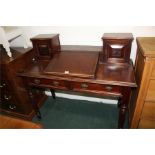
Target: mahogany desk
pixel 111 80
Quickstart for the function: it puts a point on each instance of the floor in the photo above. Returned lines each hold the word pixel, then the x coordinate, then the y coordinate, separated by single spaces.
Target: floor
pixel 61 113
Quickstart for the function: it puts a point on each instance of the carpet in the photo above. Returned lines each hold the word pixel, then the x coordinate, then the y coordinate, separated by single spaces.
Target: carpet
pixel 62 113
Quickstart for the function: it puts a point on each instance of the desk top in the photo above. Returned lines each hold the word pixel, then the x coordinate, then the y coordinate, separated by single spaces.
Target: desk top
pixel 78 64
pixel 106 73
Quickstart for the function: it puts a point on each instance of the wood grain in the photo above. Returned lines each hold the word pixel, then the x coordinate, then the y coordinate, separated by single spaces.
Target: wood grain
pixel 144 98
pixel 14 123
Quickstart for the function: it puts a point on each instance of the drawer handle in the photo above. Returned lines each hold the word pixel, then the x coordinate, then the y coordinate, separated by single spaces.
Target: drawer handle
pixel 108 88
pixel 12 107
pixel 34 60
pixel 3 84
pixel 84 85
pixel 7 97
pixel 43 46
pixel 36 81
pixel 55 83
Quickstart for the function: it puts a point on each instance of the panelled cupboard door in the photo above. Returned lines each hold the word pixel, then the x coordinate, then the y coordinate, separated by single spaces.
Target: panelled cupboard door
pixel 144 111
pixel 146 124
pixel 151 91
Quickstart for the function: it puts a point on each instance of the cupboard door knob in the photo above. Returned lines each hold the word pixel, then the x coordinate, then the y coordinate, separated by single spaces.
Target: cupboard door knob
pixel 84 85
pixel 108 88
pixel 11 106
pixel 55 83
pixel 7 97
pixel 36 81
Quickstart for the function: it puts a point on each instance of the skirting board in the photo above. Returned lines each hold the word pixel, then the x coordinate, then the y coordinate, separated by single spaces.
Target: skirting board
pixel 79 97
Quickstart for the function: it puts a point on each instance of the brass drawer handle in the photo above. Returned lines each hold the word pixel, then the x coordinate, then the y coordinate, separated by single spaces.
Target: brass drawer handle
pixel 84 85
pixel 12 107
pixel 55 83
pixel 108 88
pixel 7 97
pixel 36 81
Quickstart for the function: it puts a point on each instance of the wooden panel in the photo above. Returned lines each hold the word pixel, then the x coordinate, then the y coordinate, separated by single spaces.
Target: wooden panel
pixel 13 123
pixel 153 70
pixel 146 124
pixel 151 91
pixel 147 45
pixel 144 76
pixel 148 111
pixel 117 47
pixel 79 64
pixel 140 62
pixel 46 45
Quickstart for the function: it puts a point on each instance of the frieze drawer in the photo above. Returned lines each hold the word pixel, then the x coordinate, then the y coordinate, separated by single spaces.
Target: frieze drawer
pixel 59 84
pixel 108 89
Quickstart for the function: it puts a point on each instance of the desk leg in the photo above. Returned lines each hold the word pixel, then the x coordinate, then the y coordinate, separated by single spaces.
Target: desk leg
pixel 125 100
pixel 35 106
pixel 53 93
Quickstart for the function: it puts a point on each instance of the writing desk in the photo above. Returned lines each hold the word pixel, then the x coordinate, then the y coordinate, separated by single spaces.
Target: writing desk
pixel 111 80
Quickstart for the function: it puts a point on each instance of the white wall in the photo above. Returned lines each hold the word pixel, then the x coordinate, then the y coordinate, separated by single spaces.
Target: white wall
pixel 86 35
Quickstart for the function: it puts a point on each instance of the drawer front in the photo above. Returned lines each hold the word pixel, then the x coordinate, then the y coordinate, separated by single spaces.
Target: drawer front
pixel 8 102
pixel 151 91
pixel 4 85
pixel 146 124
pixel 106 89
pixel 76 86
pixel 148 111
pixel 59 84
pixel 8 96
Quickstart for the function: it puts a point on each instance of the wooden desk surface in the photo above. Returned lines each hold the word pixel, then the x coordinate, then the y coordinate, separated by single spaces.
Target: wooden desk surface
pixel 77 64
pixel 105 74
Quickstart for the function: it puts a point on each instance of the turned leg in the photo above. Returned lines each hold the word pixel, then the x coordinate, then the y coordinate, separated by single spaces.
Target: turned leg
pixel 35 106
pixel 53 93
pixel 123 105
pixel 119 102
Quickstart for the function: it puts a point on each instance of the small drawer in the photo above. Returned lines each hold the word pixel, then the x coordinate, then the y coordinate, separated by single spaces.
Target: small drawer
pixel 10 107
pixel 60 84
pixel 5 86
pixel 7 96
pixel 109 89
pixel 2 85
pixel 9 102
